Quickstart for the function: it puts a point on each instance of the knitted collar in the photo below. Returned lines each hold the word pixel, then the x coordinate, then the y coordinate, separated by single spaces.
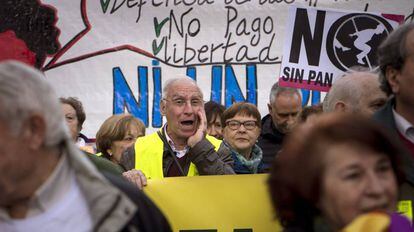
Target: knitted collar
pixel 255 157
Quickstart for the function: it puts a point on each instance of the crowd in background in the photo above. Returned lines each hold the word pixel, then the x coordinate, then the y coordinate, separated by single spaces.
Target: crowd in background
pixel 331 165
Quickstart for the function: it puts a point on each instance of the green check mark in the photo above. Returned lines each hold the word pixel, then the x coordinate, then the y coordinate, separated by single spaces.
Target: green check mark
pixel 105 4
pixel 158 26
pixel 156 48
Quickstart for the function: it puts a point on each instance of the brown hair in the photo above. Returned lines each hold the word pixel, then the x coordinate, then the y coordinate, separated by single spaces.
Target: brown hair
pixel 296 175
pixel 309 110
pixel 213 111
pixel 115 128
pixel 77 105
pixel 392 53
pixel 241 108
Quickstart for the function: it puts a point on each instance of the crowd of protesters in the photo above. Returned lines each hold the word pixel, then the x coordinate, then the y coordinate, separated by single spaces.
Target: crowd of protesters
pixel 331 166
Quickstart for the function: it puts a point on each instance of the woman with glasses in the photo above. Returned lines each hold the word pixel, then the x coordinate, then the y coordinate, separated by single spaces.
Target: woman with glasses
pixel 241 129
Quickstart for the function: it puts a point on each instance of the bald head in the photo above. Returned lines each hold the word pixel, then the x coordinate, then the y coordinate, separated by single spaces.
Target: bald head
pixel 180 80
pixel 357 92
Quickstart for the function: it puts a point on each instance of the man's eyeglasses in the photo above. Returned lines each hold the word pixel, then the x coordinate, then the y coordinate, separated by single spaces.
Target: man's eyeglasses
pixel 234 125
pixel 181 102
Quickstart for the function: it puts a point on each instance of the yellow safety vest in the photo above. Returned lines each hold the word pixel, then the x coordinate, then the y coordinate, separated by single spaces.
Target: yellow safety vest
pixel 149 154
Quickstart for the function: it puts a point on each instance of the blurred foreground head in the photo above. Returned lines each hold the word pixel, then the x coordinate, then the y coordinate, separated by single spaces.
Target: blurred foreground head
pixel 31 130
pixel 344 165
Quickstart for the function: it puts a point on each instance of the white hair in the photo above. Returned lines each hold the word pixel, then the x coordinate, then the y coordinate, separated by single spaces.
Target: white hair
pixel 179 78
pixel 24 92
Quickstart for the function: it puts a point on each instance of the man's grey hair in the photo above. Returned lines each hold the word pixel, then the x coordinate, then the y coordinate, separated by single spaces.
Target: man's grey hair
pixel 349 89
pixel 392 53
pixel 276 90
pixel 170 82
pixel 24 92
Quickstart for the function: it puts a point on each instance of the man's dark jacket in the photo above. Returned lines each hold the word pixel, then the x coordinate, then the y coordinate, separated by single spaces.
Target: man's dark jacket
pixel 386 118
pixel 270 140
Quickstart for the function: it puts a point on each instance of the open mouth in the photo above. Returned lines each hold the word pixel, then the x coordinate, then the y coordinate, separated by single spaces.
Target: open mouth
pixel 187 122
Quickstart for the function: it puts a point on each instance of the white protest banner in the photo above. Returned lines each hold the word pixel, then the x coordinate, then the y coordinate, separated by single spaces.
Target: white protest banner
pixel 115 55
pixel 320 45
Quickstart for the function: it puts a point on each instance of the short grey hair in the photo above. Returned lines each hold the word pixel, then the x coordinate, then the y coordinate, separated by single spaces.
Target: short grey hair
pixel 172 81
pixel 392 52
pixel 348 88
pixel 24 92
pixel 276 90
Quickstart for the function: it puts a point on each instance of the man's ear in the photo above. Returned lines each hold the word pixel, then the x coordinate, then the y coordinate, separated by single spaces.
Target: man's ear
pixel 34 131
pixel 340 106
pixel 162 108
pixel 392 77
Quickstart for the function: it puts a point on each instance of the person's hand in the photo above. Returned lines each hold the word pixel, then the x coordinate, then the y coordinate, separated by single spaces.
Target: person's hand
pixel 201 130
pixel 136 177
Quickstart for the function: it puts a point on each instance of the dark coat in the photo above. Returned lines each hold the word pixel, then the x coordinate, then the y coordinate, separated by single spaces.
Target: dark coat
pixel 386 118
pixel 270 141
pixel 104 165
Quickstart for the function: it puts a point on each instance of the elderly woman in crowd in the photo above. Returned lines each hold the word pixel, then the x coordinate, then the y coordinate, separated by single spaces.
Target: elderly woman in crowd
pixel 241 129
pixel 333 173
pixel 214 112
pixel 75 117
pixel 115 135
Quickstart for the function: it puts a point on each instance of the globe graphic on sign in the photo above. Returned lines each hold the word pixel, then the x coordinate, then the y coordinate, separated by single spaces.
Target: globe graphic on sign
pixel 353 40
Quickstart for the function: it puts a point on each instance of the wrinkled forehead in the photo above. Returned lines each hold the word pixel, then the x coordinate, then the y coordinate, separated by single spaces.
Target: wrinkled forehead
pixel 287 104
pixel 184 89
pixel 351 154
